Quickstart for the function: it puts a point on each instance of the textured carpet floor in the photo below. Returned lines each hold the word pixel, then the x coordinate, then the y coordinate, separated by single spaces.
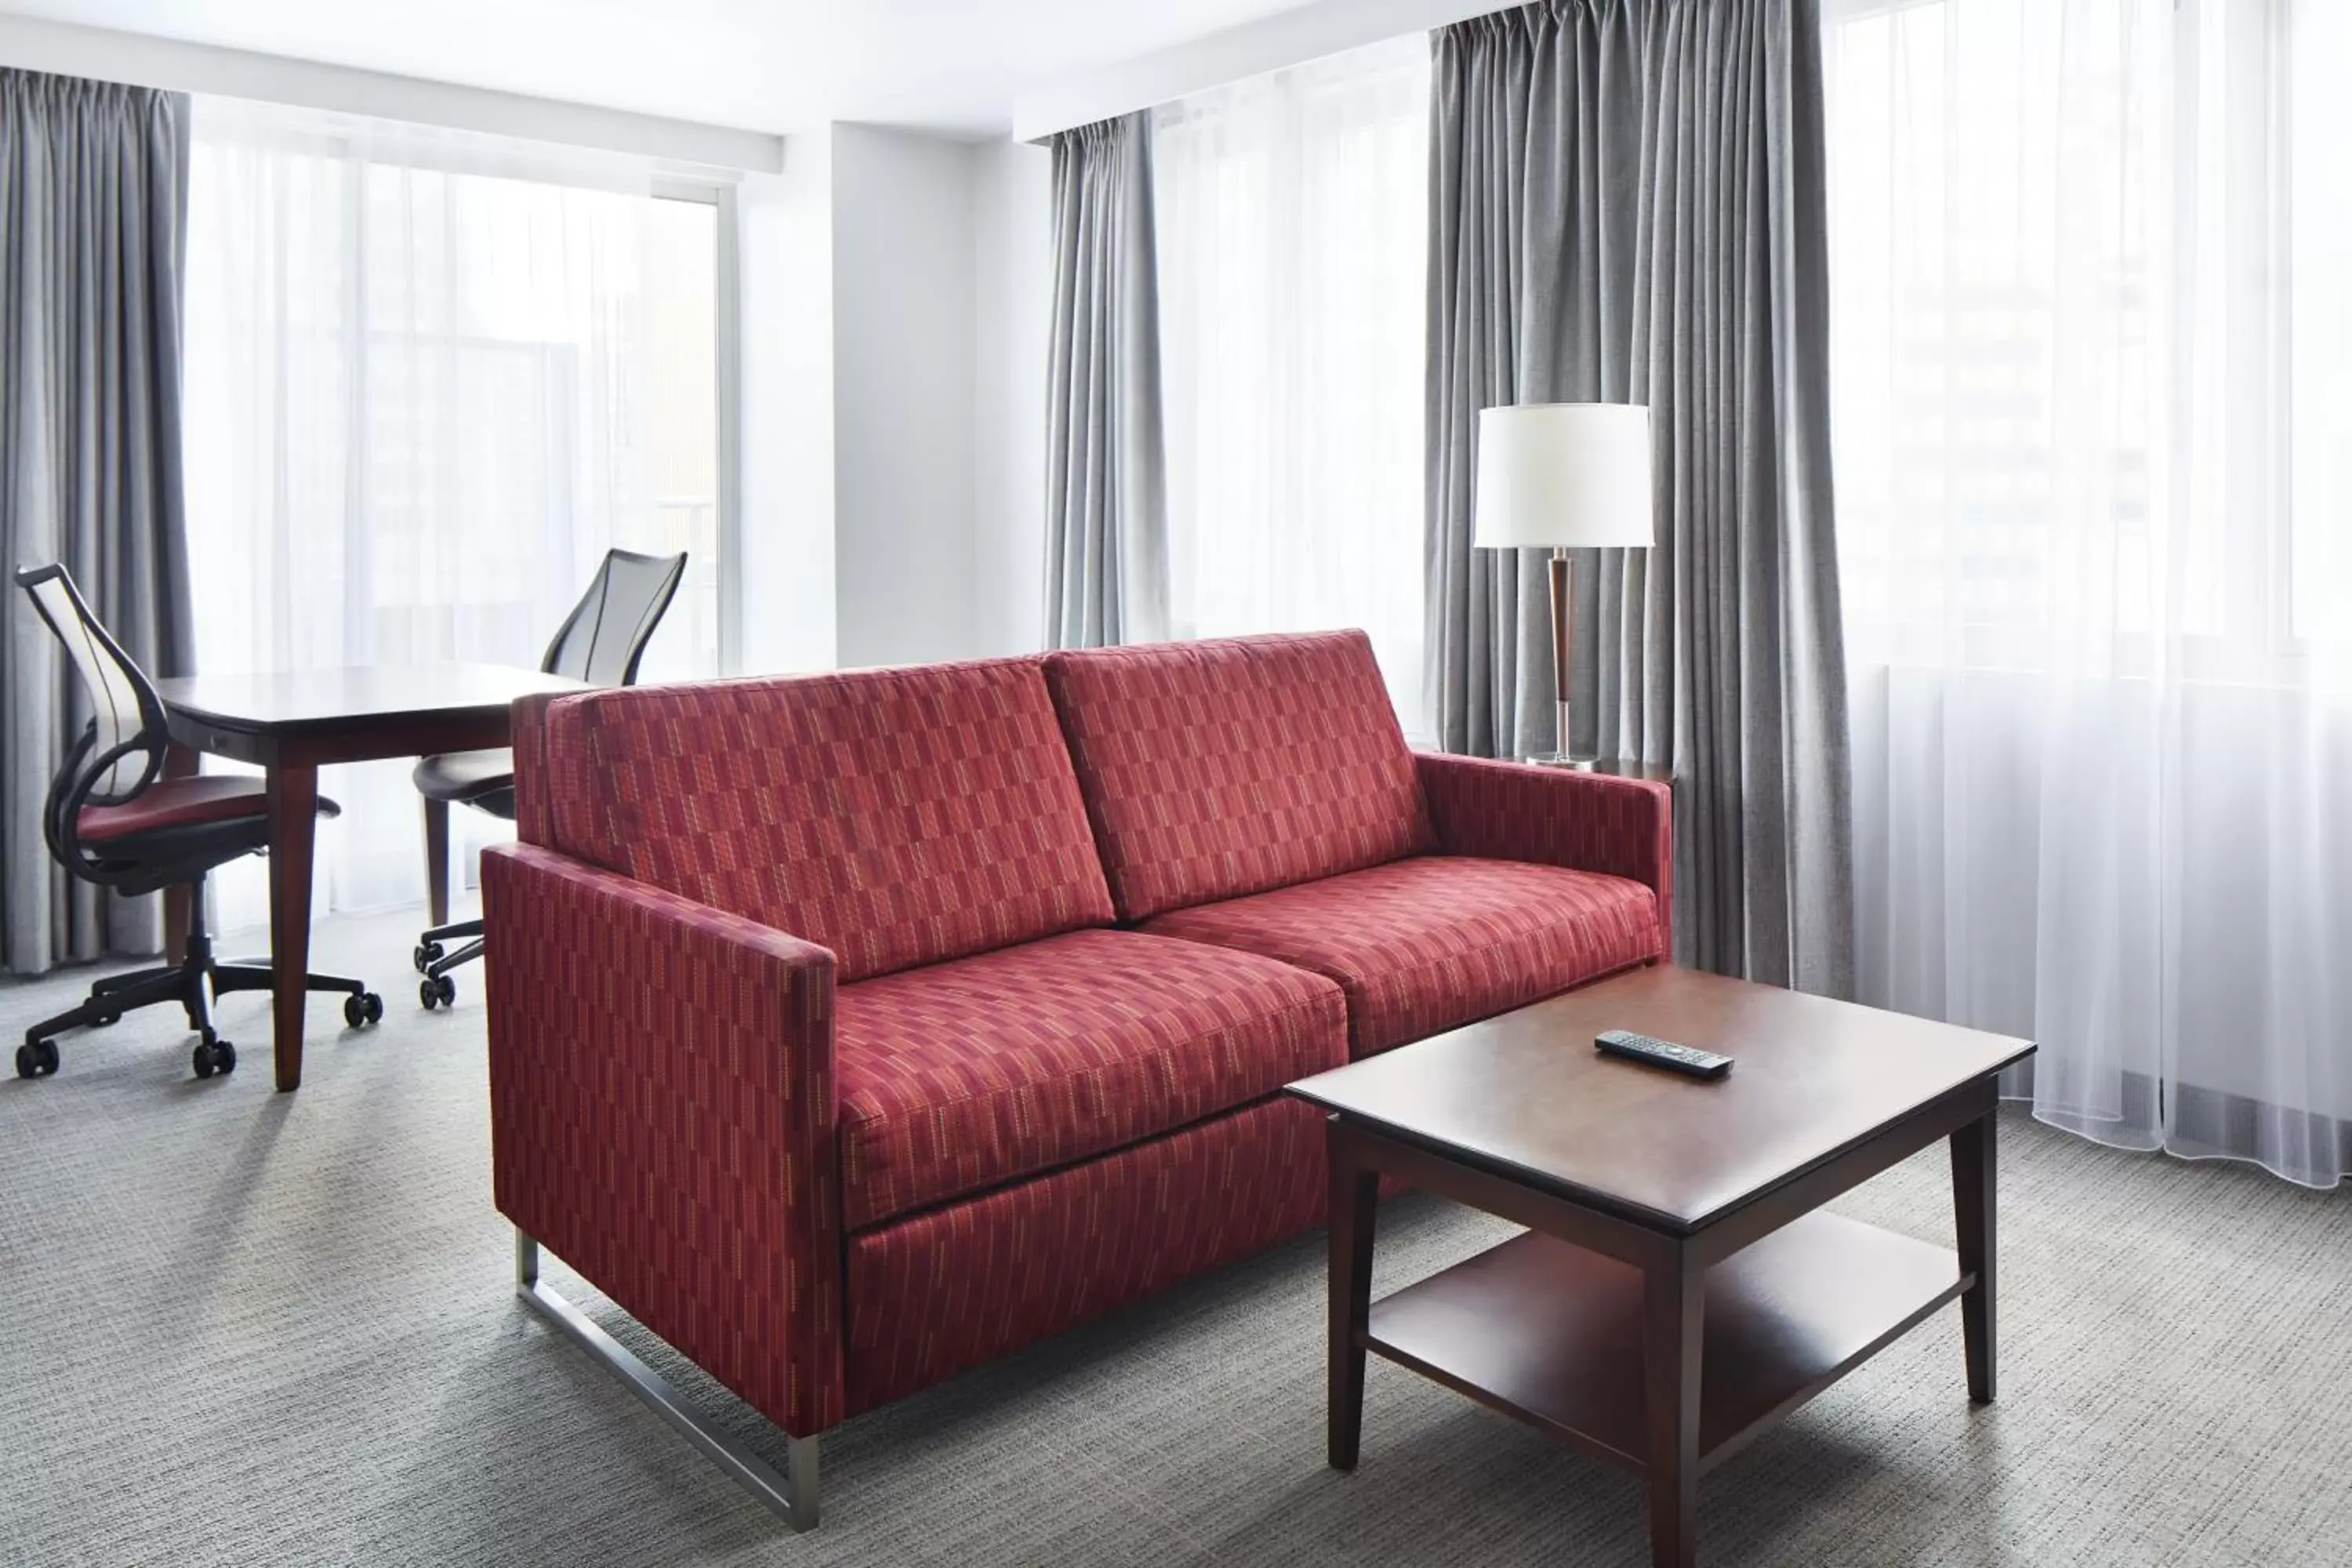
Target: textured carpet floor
pixel 242 1326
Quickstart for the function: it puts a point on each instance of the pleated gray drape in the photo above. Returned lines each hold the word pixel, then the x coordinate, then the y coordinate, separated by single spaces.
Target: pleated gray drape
pixel 93 180
pixel 1106 488
pixel 1627 205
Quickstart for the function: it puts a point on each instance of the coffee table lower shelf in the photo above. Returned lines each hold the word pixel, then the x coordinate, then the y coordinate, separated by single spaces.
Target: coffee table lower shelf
pixel 1551 1333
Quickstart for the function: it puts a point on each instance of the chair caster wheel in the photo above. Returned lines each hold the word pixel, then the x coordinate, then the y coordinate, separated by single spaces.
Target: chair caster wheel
pixel 36 1058
pixel 213 1056
pixel 437 991
pixel 427 955
pixel 363 1009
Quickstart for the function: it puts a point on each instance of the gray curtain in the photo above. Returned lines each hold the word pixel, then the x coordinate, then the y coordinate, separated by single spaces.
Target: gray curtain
pixel 1106 492
pixel 93 180
pixel 1627 205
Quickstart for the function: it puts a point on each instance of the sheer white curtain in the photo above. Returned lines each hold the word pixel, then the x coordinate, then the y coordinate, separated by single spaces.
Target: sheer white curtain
pixel 419 411
pixel 2094 443
pixel 1292 213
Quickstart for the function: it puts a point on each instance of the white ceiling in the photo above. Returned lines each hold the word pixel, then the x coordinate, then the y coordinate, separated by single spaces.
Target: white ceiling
pixel 764 65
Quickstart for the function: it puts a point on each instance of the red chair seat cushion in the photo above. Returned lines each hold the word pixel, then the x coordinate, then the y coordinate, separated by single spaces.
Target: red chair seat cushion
pixel 1428 944
pixel 962 1075
pixel 182 803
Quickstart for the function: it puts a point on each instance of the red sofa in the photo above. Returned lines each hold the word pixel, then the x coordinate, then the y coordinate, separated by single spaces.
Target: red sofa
pixel 851 1030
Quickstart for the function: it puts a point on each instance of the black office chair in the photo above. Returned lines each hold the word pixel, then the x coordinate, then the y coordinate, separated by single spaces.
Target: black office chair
pixel 112 819
pixel 600 642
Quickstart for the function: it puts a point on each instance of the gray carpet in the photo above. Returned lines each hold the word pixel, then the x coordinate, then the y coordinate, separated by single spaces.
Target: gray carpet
pixel 243 1327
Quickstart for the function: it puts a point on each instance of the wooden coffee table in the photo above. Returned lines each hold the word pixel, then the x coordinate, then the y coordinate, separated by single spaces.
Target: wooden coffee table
pixel 1678 1291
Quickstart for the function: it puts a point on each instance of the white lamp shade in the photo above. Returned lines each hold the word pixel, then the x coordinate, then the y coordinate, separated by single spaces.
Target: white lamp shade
pixel 1572 474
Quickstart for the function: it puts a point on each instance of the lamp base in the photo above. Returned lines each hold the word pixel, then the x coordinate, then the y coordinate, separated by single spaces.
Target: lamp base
pixel 1560 760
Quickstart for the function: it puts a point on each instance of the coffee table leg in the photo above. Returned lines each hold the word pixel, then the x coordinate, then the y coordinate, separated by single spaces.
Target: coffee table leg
pixel 1972 1212
pixel 1354 1204
pixel 1673 1339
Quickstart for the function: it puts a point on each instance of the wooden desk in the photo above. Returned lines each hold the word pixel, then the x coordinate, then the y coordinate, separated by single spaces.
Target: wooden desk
pixel 292 723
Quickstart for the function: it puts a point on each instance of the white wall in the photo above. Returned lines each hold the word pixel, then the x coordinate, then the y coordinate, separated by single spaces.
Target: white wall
pixel 895 301
pixel 1013 279
pixel 785 354
pixel 902 396
pixel 1299 32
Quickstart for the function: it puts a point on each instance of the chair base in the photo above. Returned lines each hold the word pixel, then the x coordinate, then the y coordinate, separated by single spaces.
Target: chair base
pixel 434 961
pixel 791 1496
pixel 193 983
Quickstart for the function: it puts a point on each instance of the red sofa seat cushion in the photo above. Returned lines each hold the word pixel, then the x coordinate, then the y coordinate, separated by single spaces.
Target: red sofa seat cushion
pixel 960 1077
pixel 1220 768
pixel 896 816
pixel 1428 944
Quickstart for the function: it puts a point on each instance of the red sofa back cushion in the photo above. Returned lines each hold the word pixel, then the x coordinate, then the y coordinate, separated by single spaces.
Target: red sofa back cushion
pixel 1216 769
pixel 897 817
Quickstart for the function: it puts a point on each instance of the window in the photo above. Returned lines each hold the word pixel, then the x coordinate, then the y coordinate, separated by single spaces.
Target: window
pixel 2091 375
pixel 2319 319
pixel 683 316
pixel 1292 213
pixel 431 377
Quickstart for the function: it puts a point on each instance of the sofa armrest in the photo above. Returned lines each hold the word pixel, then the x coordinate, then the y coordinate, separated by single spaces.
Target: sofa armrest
pixel 663 1114
pixel 1590 822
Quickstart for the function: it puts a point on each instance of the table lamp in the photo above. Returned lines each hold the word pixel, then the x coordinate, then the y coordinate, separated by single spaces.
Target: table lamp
pixel 1562 476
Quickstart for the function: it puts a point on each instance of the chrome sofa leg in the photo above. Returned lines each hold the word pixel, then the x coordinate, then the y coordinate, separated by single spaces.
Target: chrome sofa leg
pixel 792 1496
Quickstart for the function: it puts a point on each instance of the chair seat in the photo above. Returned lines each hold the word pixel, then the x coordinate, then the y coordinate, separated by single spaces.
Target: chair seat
pixel 182 803
pixel 1433 943
pixel 962 1075
pixel 461 777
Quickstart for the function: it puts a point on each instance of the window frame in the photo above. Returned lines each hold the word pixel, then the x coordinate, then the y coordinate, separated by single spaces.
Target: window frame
pixel 727 356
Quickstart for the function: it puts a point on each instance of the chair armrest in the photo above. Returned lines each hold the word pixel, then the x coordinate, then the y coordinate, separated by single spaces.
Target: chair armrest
pixel 1589 822
pixel 663 1114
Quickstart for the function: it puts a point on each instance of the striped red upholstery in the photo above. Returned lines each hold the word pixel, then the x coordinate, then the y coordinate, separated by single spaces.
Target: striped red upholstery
pixel 941 1291
pixel 1216 769
pixel 896 816
pixel 662 1115
pixel 527 724
pixel 1433 943
pixel 1594 822
pixel 958 1076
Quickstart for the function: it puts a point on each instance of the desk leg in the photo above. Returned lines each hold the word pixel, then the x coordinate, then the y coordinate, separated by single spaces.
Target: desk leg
pixel 293 823
pixel 179 762
pixel 1972 1205
pixel 1355 1205
pixel 1673 1339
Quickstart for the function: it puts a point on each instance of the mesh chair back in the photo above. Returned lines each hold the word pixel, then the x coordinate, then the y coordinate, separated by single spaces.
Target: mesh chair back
pixel 605 634
pixel 122 751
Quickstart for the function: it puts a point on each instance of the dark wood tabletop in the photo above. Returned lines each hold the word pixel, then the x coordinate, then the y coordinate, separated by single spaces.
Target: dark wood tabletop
pixel 354 697
pixel 1526 1094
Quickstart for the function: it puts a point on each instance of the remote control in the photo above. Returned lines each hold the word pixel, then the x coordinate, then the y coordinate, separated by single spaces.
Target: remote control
pixel 1662 1053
